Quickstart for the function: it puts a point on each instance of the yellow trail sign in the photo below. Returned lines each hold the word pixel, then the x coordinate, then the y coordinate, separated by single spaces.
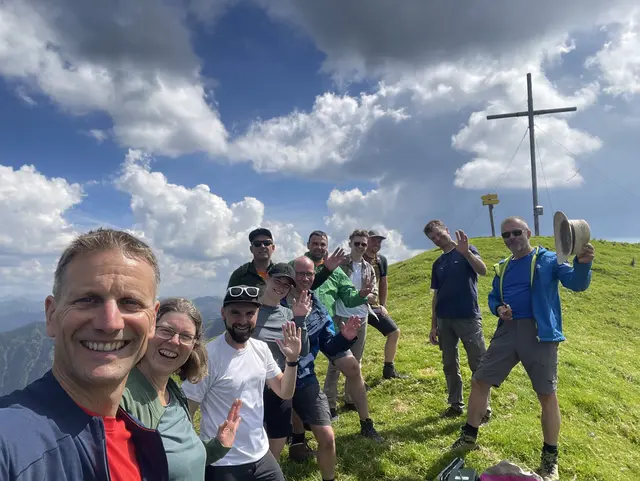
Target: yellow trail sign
pixel 490 202
pixel 489 197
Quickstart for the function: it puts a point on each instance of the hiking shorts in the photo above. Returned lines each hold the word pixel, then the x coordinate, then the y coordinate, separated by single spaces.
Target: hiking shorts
pixel 515 341
pixel 277 415
pixel 384 324
pixel 311 405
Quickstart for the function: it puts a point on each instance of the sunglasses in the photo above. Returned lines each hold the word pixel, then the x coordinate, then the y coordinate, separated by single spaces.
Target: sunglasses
pixel 236 291
pixel 167 333
pixel 360 244
pixel 264 243
pixel 515 233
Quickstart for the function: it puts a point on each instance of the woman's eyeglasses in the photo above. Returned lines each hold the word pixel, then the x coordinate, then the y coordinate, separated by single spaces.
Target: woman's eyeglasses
pixel 509 233
pixel 167 333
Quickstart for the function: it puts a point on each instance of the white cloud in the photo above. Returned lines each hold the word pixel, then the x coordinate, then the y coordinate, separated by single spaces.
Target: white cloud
pixel 199 236
pixel 160 107
pixel 354 209
pixel 304 142
pixel 99 135
pixel 33 227
pixel 619 58
pixel 32 209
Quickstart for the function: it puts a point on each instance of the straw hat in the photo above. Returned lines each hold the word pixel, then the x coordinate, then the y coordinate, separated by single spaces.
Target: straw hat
pixel 570 236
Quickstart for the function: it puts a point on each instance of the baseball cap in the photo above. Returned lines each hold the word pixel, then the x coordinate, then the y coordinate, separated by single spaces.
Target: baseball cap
pixel 375 233
pixel 283 269
pixel 242 294
pixel 260 231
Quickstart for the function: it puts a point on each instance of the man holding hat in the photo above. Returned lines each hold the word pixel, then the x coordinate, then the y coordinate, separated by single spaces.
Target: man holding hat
pixel 525 297
pixel 239 367
pixel 379 316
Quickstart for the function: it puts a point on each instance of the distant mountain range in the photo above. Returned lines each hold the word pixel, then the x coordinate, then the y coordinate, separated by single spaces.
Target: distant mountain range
pixel 26 352
pixel 19 311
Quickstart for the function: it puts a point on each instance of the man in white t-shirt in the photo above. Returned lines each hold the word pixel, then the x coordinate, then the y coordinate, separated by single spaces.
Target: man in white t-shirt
pixel 362 275
pixel 239 367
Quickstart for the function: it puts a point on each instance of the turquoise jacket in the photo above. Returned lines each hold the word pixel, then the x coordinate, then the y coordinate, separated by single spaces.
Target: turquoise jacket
pixel 545 297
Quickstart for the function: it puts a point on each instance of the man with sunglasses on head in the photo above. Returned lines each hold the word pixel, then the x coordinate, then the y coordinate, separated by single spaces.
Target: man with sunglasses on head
pixel 455 314
pixel 238 368
pixel 254 273
pixel 525 297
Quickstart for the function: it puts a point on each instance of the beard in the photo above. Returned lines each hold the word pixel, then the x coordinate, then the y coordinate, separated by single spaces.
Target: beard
pixel 240 337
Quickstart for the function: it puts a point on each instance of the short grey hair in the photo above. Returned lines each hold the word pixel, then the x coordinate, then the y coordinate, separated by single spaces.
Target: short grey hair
pixel 513 218
pixel 101 240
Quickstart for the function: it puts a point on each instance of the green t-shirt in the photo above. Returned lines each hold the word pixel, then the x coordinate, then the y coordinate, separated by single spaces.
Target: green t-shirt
pixel 186 455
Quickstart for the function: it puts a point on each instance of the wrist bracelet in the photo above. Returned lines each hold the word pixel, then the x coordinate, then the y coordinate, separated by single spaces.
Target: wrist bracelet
pixel 293 363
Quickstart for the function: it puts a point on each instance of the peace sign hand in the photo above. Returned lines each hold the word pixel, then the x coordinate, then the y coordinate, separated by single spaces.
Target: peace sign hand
pixel 292 344
pixel 227 430
pixel 367 287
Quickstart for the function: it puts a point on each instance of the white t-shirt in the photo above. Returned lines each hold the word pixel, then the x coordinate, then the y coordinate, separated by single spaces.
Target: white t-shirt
pixel 235 374
pixel 360 311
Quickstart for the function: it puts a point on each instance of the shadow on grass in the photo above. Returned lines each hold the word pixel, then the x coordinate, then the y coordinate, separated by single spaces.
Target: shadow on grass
pixel 364 459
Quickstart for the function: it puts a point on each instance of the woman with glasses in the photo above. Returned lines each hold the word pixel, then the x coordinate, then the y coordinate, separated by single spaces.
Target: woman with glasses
pixel 154 398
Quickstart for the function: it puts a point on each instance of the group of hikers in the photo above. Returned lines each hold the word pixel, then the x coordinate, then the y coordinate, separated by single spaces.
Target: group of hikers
pixel 110 409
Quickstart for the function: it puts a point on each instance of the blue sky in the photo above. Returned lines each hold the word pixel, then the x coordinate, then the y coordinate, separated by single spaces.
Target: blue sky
pixel 303 116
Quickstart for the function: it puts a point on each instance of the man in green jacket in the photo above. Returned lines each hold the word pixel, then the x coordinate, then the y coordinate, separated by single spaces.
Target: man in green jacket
pixel 338 285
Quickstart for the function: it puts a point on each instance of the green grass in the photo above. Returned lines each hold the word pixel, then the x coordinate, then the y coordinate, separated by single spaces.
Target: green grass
pixel 599 384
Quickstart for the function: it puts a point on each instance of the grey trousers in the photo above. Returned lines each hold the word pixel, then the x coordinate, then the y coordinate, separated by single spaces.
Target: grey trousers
pixel 450 331
pixel 333 373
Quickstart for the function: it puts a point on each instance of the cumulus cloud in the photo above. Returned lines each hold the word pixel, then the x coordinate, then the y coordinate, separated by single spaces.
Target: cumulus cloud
pixel 303 142
pixel 385 36
pixel 353 209
pixel 201 238
pixel 619 59
pixel 33 227
pixel 131 60
pixel 32 211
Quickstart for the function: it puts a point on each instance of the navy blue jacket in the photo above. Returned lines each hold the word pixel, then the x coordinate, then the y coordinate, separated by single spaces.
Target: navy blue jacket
pixel 45 435
pixel 322 337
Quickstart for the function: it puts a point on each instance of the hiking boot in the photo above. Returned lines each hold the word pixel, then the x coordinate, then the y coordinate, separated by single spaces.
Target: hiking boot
pixel 549 466
pixel 453 412
pixel 465 442
pixel 334 414
pixel 389 372
pixel 368 431
pixel 301 452
pixel 486 417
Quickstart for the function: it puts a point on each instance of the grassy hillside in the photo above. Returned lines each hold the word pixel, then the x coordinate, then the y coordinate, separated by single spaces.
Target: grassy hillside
pixel 599 387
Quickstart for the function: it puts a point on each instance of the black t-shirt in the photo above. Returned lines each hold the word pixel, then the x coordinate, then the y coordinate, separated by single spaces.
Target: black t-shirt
pixel 457 286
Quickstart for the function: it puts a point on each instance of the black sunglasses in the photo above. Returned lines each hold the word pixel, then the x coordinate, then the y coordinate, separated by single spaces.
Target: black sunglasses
pixel 515 233
pixel 358 244
pixel 264 243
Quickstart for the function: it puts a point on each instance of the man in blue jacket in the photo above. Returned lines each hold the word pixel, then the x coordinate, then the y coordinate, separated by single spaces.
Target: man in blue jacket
pixel 68 425
pixel 525 297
